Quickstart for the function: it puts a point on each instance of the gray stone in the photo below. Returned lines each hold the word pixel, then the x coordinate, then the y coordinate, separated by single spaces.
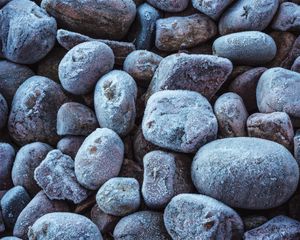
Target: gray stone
pixel 169 6
pixel 211 8
pixel 70 145
pixel 7 157
pixel 3 111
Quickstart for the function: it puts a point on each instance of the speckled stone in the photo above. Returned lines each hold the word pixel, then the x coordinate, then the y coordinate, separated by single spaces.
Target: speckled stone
pixel 211 8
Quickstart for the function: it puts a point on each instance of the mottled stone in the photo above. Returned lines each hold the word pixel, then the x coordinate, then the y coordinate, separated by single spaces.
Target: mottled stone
pixel 276 126
pixel 102 18
pixel 280 227
pixel 33 112
pixel 70 145
pixel 56 176
pixel 194 216
pixel 141 225
pixel 278 91
pixel 27 32
pixel 7 157
pixel 99 158
pixel 248 15
pixel 170 6
pixel 211 8
pixel 176 33
pixel 201 73
pixel 83 65
pixel 242 172
pixel 249 48
pixel 293 54
pixel 36 208
pixel 28 158
pixel 231 114
pixel 67 226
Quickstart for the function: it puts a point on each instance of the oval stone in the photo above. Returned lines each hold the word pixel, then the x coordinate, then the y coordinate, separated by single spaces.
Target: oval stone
pixel 248 173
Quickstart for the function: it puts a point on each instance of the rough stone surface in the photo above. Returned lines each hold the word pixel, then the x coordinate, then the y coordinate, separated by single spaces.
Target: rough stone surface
pixel 179 120
pixel 114 100
pixel 75 119
pixel 249 173
pixel 3 111
pixel 211 8
pixel 28 158
pixel 141 225
pixel 141 65
pixel 36 208
pixel 56 176
pixel 99 158
pixel 119 196
pixel 245 86
pixel 280 227
pixel 231 114
pixel 70 145
pixel 12 204
pixel 248 15
pixel 287 17
pixel 27 32
pixel 170 6
pixel 194 216
pixel 33 112
pixel 201 73
pixel 102 18
pixel 105 222
pixel 7 157
pixel 67 226
pixel 276 126
pixel 83 65
pixel 278 91
pixel 246 48
pixel 176 33
pixel 296 65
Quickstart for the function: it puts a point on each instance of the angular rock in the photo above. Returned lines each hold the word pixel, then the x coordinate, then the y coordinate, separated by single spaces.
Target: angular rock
pixel 102 19
pixel 36 208
pixel 67 226
pixel 33 112
pixel 194 216
pixel 170 6
pixel 28 158
pixel 280 227
pixel 114 100
pixel 83 65
pixel 70 145
pixel 177 33
pixel 179 120
pixel 141 225
pixel 69 40
pixel 99 158
pixel 278 91
pixel 231 114
pixel 248 15
pixel 246 48
pixel 56 176
pixel 211 8
pixel 201 73
pixel 276 126
pixel 27 32
pixel 7 157
pixel 250 173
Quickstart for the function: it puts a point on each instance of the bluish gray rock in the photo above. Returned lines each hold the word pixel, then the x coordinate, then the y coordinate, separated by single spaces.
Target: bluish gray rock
pixel 211 8
pixel 169 6
pixel 7 157
pixel 3 111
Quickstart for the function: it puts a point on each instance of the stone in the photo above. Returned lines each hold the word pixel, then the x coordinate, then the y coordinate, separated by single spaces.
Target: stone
pixel 3 111
pixel 70 145
pixel 253 221
pixel 296 65
pixel 169 6
pixel 7 157
pixel 211 8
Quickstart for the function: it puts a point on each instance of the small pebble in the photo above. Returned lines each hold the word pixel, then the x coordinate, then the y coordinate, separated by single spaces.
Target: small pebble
pixel 114 100
pixel 249 48
pixel 177 33
pixel 12 204
pixel 211 8
pixel 280 227
pixel 141 225
pixel 141 65
pixel 169 6
pixel 99 158
pixel 231 114
pixel 75 119
pixel 63 225
pixel 36 208
pixel 194 216
pixel 83 65
pixel 119 196
pixel 179 120
pixel 276 126
pixel 56 176
pixel 244 172
pixel 278 91
pixel 28 158
pixel 70 145
pixel 7 157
